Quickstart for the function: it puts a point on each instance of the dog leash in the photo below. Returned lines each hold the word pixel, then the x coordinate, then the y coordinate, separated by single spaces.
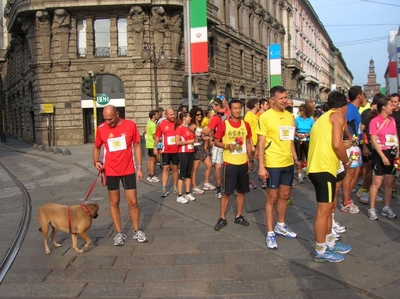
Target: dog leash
pixel 103 183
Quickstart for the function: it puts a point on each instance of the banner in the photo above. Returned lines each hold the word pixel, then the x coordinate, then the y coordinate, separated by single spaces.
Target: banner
pixel 275 69
pixel 198 36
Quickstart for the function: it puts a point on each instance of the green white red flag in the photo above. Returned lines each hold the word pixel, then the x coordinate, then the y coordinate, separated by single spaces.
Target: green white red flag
pixel 198 36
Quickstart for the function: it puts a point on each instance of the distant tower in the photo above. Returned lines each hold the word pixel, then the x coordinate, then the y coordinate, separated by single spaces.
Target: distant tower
pixel 371 88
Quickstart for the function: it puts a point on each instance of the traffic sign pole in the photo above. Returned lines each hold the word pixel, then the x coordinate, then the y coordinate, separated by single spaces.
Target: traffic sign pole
pixel 94 107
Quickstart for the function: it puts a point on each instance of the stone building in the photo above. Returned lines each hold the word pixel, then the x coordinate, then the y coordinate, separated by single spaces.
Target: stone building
pixel 371 88
pixel 55 43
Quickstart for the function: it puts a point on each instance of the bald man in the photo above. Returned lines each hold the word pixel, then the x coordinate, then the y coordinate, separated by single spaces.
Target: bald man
pixel 119 137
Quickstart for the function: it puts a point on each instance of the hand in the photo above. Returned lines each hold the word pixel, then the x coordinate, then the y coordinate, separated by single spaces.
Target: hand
pixel 297 164
pixel 346 143
pixel 139 174
pixel 231 147
pixel 251 166
pixel 263 173
pixel 385 161
pixel 365 151
pixel 98 165
pixel 301 136
pixel 155 151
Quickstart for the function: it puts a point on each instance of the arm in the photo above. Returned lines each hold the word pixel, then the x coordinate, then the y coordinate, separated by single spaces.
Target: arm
pixel 156 141
pixel 346 130
pixel 96 158
pixel 377 148
pixel 138 157
pixel 294 154
pixel 338 121
pixel 181 142
pixel 262 172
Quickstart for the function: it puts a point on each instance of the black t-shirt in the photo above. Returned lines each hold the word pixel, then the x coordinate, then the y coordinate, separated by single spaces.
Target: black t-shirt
pixel 396 116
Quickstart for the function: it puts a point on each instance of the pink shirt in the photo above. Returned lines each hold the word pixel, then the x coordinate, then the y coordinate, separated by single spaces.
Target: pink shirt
pixel 385 130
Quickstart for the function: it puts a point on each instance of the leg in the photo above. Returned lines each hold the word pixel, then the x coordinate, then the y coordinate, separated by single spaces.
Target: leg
pixel 187 184
pixel 223 204
pixel 376 184
pixel 151 163
pixel 114 198
pixel 323 221
pixel 45 230
pixel 389 183
pixel 131 199
pixel 217 174
pixel 272 197
pixel 207 173
pixel 283 195
pixel 180 187
pixel 85 237
pixel 164 176
pixel 174 174
pixel 53 237
pixel 196 165
pixel 346 185
pixel 74 238
pixel 239 203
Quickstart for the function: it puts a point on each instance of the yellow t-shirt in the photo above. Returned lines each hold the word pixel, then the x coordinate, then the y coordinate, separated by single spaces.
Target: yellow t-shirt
pixel 321 156
pixel 239 155
pixel 274 126
pixel 252 119
pixel 361 109
pixel 205 122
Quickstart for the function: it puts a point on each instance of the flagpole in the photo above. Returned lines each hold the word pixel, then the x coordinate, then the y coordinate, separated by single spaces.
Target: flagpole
pixel 189 55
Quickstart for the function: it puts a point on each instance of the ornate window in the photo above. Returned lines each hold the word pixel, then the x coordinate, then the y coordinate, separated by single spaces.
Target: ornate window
pixel 81 40
pixel 122 38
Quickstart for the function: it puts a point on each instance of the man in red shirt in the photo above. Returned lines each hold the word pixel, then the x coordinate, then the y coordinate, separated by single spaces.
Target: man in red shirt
pixel 166 131
pixel 117 136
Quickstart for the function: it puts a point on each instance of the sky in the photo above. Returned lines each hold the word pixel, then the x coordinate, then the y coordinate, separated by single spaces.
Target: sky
pixel 360 30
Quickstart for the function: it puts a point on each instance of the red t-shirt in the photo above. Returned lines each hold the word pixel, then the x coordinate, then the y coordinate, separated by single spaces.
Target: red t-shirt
pixel 221 129
pixel 166 130
pixel 117 144
pixel 215 121
pixel 185 134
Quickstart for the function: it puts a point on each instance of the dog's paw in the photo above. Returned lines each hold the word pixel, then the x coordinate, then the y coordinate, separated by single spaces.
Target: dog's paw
pixel 80 251
pixel 47 251
pixel 57 245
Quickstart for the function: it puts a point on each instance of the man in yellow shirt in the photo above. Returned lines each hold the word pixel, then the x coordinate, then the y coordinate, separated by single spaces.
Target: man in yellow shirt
pixel 276 145
pixel 252 119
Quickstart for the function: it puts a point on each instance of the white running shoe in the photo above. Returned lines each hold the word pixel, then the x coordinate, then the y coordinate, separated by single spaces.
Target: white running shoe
pixel 208 187
pixel 190 197
pixel 181 199
pixel 338 228
pixel 197 191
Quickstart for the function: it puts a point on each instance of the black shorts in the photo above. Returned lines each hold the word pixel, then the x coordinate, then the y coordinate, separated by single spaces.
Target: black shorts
pixel 340 176
pixel 168 158
pixel 301 147
pixel 324 185
pixel 378 168
pixel 185 165
pixel 280 176
pixel 235 177
pixel 200 152
pixel 128 182
pixel 150 152
pixel 366 159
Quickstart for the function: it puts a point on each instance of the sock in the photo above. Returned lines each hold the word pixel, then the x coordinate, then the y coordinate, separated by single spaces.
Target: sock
pixel 164 187
pixel 218 189
pixel 320 248
pixel 187 193
pixel 179 195
pixel 330 240
pixel 280 224
pixel 271 233
pixel 333 217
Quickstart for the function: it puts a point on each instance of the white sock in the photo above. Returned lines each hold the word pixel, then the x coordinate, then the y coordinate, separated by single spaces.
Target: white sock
pixel 320 248
pixel 280 224
pixel 330 240
pixel 271 233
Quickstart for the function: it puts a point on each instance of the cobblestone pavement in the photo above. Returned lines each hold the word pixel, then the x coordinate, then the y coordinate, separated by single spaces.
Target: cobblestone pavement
pixel 185 257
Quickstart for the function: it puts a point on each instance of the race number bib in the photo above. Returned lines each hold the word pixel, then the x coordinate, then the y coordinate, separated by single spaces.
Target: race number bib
pixel 116 144
pixel 190 146
pixel 171 140
pixel 286 133
pixel 390 140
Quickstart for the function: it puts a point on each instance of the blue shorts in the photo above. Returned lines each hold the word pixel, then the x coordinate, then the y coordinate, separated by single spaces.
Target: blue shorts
pixel 280 176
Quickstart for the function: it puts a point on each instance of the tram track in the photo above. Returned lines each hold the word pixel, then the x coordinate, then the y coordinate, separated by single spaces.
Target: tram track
pixel 22 228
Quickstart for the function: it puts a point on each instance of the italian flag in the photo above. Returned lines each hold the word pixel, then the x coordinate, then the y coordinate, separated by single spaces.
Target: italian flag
pixel 198 36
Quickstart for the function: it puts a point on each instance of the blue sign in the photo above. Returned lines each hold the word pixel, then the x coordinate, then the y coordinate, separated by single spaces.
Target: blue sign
pixel 275 51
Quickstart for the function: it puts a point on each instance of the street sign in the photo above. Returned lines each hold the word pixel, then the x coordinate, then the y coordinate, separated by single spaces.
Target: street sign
pixel 46 108
pixel 102 99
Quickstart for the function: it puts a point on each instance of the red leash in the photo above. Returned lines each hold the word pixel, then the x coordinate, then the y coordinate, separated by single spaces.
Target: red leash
pixel 103 183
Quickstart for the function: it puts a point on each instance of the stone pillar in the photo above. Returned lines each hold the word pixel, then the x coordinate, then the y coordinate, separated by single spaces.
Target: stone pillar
pixel 62 21
pixel 29 29
pixel 43 27
pixel 90 36
pixel 113 36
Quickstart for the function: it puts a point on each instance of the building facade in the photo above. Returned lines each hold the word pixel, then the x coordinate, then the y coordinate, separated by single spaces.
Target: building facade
pixel 54 45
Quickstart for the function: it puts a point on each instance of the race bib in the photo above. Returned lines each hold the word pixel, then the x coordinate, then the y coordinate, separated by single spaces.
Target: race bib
pixel 286 133
pixel 190 146
pixel 171 140
pixel 390 140
pixel 116 144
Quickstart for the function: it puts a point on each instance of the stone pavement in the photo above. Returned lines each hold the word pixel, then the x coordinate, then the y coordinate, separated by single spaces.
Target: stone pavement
pixel 185 257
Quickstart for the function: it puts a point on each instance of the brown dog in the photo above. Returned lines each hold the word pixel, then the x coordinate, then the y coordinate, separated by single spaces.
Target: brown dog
pixel 75 220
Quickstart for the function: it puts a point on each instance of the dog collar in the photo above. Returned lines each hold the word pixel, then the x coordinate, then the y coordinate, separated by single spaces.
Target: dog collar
pixel 86 210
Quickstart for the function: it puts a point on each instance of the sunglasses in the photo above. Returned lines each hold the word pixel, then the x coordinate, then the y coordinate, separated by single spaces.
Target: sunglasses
pixel 198 114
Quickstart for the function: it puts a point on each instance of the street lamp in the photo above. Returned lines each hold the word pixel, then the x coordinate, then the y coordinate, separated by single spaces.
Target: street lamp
pixel 156 60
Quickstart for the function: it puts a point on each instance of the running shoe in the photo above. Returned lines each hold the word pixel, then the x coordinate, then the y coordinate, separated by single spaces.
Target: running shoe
pixel 218 195
pixel 264 185
pixel 220 224
pixel 363 195
pixel 335 235
pixel 240 220
pixel 338 228
pixel 394 193
pixel 139 236
pixel 119 239
pixel 284 231
pixel 181 199
pixel 270 242
pixel 372 214
pixel 155 179
pixel 340 248
pixel 252 185
pixel 175 189
pixel 197 191
pixel 388 212
pixel 190 197
pixel 301 180
pixel 149 179
pixel 379 199
pixel 328 256
pixel 164 192
pixel 350 208
pixel 208 187
pixel 290 201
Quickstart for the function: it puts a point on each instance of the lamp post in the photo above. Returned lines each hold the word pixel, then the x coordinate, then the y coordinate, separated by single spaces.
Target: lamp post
pixel 155 60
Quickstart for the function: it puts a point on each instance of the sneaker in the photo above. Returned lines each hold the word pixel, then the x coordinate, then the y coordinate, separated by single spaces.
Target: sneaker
pixel 264 185
pixel 328 256
pixel 164 192
pixel 290 201
pixel 270 241
pixel 336 235
pixel 379 199
pixel 155 179
pixel 240 220
pixel 388 212
pixel 149 179
pixel 360 182
pixel 372 214
pixel 175 189
pixel 220 224
pixel 218 195
pixel 190 197
pixel 354 190
pixel 119 239
pixel 181 199
pixel 284 231
pixel 301 180
pixel 394 193
pixel 197 191
pixel 350 208
pixel 340 248
pixel 338 228
pixel 252 185
pixel 363 195
pixel 208 187
pixel 139 236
